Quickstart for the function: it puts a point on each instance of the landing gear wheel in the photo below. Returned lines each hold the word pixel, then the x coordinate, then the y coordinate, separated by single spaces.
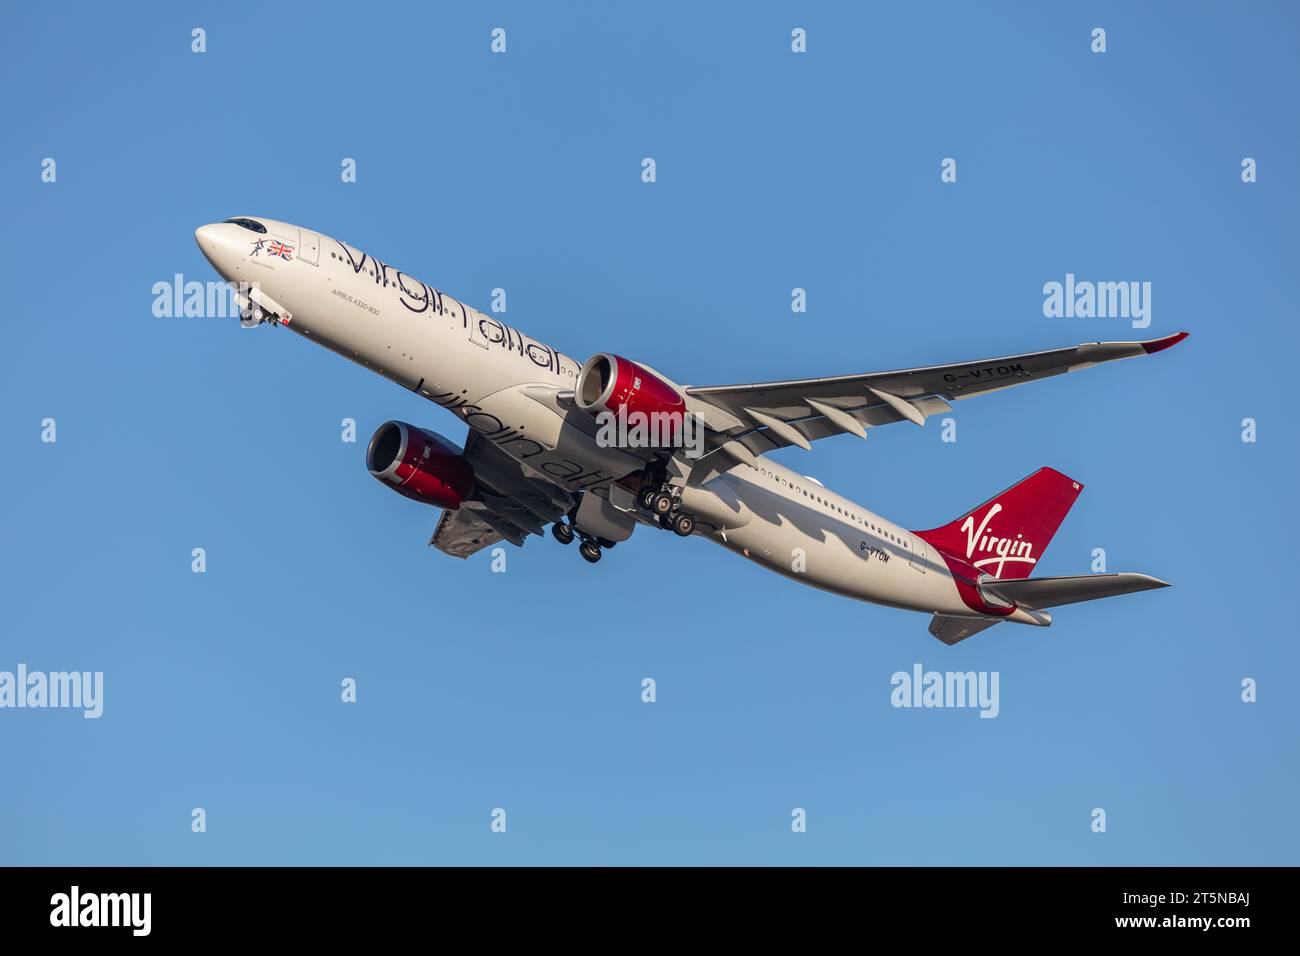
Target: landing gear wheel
pixel 662 504
pixel 606 543
pixel 684 525
pixel 590 550
pixel 562 533
pixel 647 498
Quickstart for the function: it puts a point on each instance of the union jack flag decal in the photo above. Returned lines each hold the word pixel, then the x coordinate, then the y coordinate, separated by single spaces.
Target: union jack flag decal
pixel 278 248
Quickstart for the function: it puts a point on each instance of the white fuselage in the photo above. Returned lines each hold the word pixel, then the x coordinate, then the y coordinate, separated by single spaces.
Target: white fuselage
pixel 479 368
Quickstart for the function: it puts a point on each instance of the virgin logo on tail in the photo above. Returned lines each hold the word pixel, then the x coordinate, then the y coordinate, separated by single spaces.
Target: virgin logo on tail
pixel 1004 549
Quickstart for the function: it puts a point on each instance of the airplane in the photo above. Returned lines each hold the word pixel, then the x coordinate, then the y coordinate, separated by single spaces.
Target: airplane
pixel 538 450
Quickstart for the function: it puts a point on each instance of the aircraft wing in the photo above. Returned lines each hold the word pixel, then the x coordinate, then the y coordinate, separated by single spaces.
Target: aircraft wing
pixel 460 534
pixel 510 501
pixel 768 415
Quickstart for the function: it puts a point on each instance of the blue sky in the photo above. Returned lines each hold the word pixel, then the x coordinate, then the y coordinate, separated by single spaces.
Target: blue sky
pixel 522 690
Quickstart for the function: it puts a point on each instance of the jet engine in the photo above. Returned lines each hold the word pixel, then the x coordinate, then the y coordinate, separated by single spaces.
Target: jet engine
pixel 608 381
pixel 421 465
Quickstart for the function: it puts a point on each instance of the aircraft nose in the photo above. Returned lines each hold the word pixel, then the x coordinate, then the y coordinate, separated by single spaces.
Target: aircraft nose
pixel 214 241
pixel 206 237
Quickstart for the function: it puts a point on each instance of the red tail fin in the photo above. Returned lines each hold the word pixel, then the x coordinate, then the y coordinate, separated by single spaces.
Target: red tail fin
pixel 1007 535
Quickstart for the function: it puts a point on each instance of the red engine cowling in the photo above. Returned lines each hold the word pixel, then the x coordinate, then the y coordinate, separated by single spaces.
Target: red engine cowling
pixel 608 381
pixel 421 465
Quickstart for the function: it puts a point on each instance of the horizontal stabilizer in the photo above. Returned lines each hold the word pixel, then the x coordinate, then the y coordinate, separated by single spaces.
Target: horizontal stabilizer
pixel 950 630
pixel 1041 593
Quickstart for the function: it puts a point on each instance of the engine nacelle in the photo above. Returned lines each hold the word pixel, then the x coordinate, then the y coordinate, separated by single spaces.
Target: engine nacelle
pixel 608 381
pixel 421 465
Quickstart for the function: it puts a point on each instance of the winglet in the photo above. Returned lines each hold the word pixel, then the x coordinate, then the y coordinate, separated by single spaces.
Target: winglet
pixel 1159 345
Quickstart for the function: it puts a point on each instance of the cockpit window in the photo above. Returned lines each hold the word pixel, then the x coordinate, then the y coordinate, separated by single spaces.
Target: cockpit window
pixel 249 224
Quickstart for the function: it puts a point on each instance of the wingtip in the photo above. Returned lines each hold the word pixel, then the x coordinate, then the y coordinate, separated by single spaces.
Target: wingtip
pixel 1159 345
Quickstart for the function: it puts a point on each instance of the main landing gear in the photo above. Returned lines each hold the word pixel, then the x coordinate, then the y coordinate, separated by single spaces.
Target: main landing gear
pixel 666 507
pixel 662 500
pixel 658 502
pixel 590 548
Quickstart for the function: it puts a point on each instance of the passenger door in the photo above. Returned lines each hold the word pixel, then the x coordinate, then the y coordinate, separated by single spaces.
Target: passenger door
pixel 309 248
pixel 915 552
